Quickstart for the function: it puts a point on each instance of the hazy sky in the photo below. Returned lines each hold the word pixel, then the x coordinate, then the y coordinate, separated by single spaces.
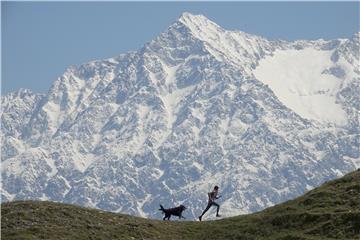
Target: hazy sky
pixel 41 39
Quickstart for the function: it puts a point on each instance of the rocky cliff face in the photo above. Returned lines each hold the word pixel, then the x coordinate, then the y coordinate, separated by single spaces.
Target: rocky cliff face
pixel 197 106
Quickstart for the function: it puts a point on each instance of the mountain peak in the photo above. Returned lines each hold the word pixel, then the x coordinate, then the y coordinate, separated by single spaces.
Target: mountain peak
pixel 186 16
pixel 198 22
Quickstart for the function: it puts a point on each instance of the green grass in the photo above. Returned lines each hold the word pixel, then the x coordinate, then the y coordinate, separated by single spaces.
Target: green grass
pixel 331 211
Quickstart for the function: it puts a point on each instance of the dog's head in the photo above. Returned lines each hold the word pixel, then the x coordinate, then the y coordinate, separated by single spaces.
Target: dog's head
pixel 182 207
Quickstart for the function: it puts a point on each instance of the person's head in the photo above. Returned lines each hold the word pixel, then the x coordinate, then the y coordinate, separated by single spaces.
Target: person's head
pixel 216 188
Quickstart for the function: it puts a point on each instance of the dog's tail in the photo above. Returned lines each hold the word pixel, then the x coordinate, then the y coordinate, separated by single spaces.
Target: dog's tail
pixel 162 208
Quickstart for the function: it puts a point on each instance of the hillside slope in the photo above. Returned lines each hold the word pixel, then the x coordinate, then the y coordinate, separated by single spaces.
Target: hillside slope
pixel 331 211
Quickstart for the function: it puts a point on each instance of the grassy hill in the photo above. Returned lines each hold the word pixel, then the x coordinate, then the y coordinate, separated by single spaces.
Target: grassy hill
pixel 331 211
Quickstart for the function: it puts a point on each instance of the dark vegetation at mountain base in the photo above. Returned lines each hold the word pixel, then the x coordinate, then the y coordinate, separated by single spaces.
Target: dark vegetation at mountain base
pixel 331 211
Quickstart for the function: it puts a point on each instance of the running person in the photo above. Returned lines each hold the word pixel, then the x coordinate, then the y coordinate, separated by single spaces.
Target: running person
pixel 211 202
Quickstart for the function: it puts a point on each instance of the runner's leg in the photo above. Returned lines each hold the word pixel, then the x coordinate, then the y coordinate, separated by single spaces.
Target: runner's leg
pixel 218 207
pixel 206 209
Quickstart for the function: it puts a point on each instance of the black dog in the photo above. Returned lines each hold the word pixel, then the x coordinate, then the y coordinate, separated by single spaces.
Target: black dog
pixel 177 211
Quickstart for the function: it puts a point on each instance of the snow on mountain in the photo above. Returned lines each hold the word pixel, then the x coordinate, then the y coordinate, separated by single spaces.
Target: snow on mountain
pixel 306 81
pixel 197 106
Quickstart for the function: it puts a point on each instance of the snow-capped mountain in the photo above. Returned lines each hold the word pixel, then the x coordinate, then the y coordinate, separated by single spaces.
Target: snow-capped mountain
pixel 197 106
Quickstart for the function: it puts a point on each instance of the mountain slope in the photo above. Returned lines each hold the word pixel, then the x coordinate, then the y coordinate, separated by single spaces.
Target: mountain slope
pixel 188 110
pixel 328 212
